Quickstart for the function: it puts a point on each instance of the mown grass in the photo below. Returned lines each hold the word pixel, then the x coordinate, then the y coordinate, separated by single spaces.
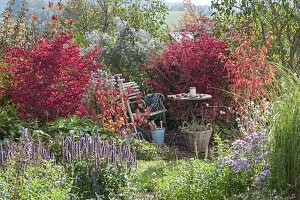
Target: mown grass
pixel 147 172
pixel 143 180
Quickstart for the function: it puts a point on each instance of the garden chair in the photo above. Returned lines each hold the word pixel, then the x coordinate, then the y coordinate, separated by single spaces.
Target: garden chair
pixel 152 101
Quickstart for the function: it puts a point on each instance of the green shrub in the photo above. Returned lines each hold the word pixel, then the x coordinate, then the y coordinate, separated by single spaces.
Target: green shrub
pixel 9 123
pixel 227 130
pixel 63 126
pixel 125 52
pixel 191 180
pixel 98 15
pixel 44 181
pixel 196 179
pixel 106 182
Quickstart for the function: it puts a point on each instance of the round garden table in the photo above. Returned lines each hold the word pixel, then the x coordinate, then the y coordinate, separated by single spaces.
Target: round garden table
pixel 192 100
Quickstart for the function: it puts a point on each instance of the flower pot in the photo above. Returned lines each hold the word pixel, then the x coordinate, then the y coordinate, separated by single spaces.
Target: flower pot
pixel 158 135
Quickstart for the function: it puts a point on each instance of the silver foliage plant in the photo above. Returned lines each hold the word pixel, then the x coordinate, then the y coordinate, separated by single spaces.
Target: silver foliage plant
pixel 143 40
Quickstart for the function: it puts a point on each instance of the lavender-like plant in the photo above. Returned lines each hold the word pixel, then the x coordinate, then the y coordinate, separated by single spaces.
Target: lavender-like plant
pixel 92 147
pixel 25 151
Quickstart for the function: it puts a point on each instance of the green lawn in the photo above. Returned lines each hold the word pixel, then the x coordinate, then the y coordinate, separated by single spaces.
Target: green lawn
pixel 147 171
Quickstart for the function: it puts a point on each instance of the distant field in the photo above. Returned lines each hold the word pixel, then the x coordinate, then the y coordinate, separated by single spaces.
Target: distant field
pixel 173 18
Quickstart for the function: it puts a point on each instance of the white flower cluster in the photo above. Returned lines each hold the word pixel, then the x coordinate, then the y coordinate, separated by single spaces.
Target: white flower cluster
pixel 255 117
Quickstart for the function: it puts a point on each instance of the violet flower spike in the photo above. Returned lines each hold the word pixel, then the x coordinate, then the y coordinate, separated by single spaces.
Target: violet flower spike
pixel 25 132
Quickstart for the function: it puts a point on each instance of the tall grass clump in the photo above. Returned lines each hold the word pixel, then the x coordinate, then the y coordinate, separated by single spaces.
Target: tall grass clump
pixel 285 134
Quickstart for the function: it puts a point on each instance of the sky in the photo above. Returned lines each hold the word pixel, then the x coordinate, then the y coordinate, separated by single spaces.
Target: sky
pixel 196 2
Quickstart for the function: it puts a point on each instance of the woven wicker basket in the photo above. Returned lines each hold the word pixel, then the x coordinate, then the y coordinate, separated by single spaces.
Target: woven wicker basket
pixel 198 140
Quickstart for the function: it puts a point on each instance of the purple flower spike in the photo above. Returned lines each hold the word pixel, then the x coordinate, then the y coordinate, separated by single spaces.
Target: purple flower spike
pixel 1 154
pixel 92 147
pixel 25 132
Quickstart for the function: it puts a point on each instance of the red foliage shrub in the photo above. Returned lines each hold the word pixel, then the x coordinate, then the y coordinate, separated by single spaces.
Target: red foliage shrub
pixel 50 80
pixel 248 70
pixel 105 104
pixel 113 116
pixel 250 77
pixel 109 106
pixel 190 63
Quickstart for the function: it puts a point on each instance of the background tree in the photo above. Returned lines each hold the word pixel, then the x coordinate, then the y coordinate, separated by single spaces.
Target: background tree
pixel 20 31
pixel 7 26
pixel 281 18
pixel 148 15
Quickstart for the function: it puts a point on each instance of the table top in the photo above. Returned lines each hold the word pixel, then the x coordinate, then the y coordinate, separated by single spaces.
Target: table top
pixel 187 97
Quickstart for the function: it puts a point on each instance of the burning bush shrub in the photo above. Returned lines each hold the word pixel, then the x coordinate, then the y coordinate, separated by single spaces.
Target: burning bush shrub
pixel 50 80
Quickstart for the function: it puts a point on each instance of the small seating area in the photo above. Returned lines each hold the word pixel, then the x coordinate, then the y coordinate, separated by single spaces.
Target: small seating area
pixel 151 106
